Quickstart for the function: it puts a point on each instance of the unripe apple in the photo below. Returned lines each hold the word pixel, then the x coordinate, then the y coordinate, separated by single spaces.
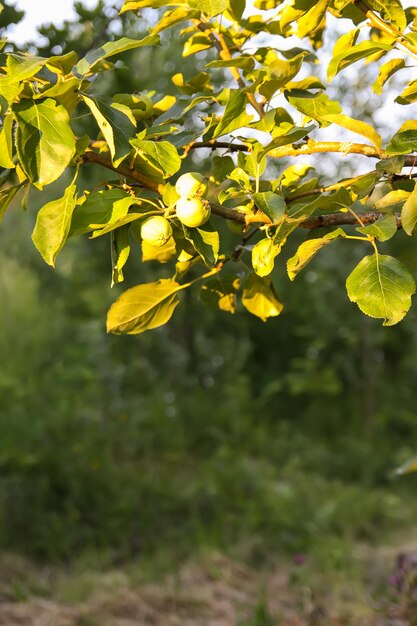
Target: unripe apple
pixel 191 184
pixel 156 231
pixel 193 212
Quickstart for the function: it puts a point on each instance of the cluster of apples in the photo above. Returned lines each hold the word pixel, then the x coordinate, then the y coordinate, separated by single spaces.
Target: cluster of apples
pixel 191 209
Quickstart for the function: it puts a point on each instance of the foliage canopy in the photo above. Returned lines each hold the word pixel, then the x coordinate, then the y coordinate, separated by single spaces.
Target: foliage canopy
pixel 257 100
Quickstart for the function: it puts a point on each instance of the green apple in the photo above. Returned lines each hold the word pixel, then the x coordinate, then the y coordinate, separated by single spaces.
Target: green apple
pixel 193 212
pixel 156 231
pixel 191 184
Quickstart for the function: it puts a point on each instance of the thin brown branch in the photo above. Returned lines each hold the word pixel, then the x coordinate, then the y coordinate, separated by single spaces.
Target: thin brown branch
pixel 220 44
pixel 123 170
pixel 310 147
pixel 215 145
pixel 343 219
pixel 319 221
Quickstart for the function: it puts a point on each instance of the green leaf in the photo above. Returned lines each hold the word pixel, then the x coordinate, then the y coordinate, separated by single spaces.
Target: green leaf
pixel 243 62
pixel 206 242
pixel 210 7
pixel 404 140
pixel 315 106
pixel 360 51
pixel 134 5
pixel 8 92
pixel 295 134
pixel 161 154
pixel 310 21
pixel 383 229
pixel 345 42
pixel 143 307
pixel 272 204
pixel 308 249
pixel 391 11
pixel 120 251
pixel 259 297
pixel 235 115
pixel 393 165
pixel 116 125
pixel 122 221
pixel 263 255
pixel 220 292
pixel 409 212
pixel 409 95
pixel 381 287
pixel 385 72
pixel 22 65
pixel 109 49
pixel 356 126
pixel 6 146
pixel 392 201
pixel 100 209
pixel 44 140
pixel 53 224
pixel 171 18
pixel 6 197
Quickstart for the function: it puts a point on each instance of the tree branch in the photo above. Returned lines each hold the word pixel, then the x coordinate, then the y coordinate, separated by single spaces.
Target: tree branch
pixel 220 44
pixel 343 219
pixel 92 157
pixel 319 221
pixel 386 27
pixel 310 147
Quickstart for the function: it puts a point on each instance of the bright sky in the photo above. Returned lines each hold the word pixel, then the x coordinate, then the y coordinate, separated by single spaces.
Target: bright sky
pixel 38 12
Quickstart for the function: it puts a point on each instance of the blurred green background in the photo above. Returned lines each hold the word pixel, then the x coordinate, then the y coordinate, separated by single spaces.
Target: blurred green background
pixel 215 432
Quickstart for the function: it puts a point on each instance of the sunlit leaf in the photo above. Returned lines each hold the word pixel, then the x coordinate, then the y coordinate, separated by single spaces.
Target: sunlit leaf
pixel 381 287
pixel 206 242
pixel 210 7
pixel 53 224
pixel 143 307
pixel 120 251
pixel 44 139
pixel 308 249
pixel 235 115
pixel 111 48
pixel 263 256
pixel 272 204
pixel 116 124
pixel 382 229
pixel 259 297
pixel 409 212
pixel 100 209
pixel 161 154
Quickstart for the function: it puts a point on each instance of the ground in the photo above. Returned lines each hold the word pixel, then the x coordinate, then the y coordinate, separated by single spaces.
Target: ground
pixel 212 590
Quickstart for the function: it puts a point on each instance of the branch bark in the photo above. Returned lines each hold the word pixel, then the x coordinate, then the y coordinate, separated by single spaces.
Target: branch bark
pixel 319 221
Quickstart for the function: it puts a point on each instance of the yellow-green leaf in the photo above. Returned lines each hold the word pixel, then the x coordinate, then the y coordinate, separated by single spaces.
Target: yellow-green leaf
pixel 53 224
pixel 308 249
pixel 111 48
pixel 263 255
pixel 409 212
pixel 143 307
pixel 44 140
pixel 259 297
pixel 382 288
